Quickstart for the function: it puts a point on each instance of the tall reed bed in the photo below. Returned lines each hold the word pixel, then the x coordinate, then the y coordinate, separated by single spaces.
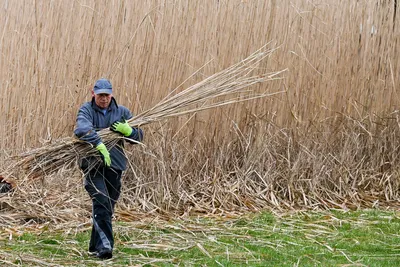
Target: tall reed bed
pixel 331 135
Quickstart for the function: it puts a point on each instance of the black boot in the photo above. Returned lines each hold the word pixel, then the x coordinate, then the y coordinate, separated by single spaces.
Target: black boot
pixel 104 253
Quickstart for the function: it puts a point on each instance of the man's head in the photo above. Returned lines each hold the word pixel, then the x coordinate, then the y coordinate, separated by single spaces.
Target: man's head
pixel 102 93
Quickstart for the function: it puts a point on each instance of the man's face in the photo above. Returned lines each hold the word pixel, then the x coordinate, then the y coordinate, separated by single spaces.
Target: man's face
pixel 102 100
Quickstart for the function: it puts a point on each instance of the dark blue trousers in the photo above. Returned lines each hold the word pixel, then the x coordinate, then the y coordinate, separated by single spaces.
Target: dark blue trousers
pixel 104 188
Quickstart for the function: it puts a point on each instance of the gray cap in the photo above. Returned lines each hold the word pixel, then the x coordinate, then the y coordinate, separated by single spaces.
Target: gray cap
pixel 102 86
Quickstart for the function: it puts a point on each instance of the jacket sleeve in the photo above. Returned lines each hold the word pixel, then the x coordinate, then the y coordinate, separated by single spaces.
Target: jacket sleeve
pixel 137 133
pixel 84 129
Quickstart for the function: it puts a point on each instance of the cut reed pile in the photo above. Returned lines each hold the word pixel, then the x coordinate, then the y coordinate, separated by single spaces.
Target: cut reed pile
pixel 231 85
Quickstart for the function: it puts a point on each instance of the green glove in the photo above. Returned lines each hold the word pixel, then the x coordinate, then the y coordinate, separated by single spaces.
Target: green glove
pixel 104 152
pixel 122 127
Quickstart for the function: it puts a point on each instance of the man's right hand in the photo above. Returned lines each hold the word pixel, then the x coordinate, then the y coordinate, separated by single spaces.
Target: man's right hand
pixel 105 154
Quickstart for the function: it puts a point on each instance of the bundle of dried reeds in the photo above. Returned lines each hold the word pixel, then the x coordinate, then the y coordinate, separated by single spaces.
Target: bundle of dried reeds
pixel 223 88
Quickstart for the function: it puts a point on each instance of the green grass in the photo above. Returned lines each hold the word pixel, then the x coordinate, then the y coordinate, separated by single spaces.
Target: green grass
pixel 334 238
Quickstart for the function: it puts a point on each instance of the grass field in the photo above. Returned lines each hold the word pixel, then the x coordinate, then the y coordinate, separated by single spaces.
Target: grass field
pixel 330 238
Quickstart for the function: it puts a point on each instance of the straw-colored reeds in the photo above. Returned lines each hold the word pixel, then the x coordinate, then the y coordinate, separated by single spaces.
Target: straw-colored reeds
pixel 331 140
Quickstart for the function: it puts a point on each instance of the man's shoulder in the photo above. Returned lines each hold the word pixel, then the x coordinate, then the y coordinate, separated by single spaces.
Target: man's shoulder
pixel 122 107
pixel 117 106
pixel 124 111
pixel 87 105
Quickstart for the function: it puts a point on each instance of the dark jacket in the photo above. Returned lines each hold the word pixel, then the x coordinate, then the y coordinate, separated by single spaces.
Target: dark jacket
pixel 91 119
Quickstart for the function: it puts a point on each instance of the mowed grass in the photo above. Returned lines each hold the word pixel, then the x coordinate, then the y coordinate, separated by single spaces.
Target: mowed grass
pixel 332 238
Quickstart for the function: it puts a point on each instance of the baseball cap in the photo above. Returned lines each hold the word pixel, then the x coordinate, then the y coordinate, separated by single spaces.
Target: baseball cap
pixel 102 86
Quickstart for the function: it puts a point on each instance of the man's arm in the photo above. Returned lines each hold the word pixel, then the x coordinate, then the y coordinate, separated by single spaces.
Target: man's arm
pixel 84 129
pixel 137 133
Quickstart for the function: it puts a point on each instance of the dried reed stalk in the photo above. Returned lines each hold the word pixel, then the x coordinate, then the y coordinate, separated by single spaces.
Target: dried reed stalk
pixel 232 84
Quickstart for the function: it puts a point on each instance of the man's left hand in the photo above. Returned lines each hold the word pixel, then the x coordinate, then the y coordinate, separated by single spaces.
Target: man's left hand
pixel 121 127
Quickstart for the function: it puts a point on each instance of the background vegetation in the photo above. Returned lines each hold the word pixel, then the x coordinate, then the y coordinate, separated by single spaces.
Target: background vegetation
pixel 330 141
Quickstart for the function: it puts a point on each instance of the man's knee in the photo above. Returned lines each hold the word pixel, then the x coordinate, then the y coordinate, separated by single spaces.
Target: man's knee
pixel 102 204
pixel 102 215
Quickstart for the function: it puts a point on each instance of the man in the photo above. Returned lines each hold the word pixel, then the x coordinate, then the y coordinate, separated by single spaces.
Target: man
pixel 103 179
